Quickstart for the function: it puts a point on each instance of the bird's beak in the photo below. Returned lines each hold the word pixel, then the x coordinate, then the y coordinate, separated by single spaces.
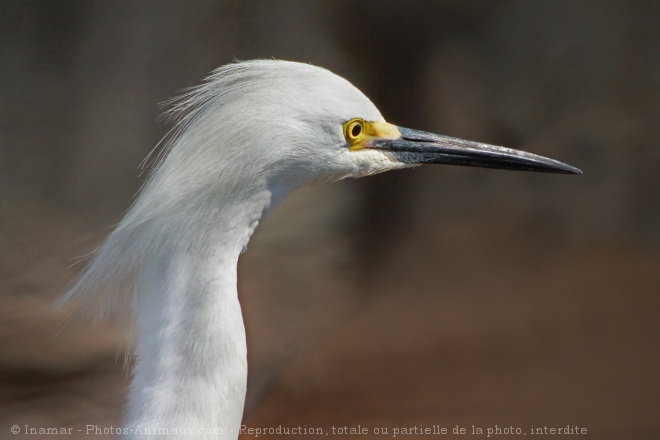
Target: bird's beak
pixel 419 147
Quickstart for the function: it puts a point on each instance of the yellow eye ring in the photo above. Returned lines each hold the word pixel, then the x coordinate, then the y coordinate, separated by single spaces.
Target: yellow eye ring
pixel 354 130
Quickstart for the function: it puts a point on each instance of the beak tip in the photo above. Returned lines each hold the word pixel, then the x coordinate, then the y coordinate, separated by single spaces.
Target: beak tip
pixel 569 169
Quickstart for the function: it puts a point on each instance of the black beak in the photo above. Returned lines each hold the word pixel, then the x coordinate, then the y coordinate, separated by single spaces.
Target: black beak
pixel 418 147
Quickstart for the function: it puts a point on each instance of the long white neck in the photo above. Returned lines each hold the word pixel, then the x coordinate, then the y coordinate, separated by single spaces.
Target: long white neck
pixel 191 369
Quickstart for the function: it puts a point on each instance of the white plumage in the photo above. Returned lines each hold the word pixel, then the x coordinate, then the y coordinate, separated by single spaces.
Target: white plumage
pixel 252 133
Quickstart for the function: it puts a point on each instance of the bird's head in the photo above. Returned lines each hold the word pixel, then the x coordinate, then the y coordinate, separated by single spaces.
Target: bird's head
pixel 296 123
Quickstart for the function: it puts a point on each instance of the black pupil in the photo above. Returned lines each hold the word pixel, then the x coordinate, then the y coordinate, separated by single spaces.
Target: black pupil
pixel 356 130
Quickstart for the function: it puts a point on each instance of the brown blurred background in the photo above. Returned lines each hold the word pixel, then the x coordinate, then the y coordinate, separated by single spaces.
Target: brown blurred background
pixel 441 295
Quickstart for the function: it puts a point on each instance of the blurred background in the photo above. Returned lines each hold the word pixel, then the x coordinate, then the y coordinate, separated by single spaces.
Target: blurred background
pixel 440 295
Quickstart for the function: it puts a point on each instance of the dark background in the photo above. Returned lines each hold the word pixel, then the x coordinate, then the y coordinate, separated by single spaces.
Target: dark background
pixel 440 295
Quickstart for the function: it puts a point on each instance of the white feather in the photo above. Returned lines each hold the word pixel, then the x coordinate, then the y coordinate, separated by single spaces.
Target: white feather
pixel 253 132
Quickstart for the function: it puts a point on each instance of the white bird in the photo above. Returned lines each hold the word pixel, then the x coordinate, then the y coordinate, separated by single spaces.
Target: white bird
pixel 251 134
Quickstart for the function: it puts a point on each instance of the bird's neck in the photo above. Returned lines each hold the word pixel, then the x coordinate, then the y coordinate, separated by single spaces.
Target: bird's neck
pixel 191 367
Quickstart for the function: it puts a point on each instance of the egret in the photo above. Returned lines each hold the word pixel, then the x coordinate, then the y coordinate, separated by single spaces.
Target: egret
pixel 249 135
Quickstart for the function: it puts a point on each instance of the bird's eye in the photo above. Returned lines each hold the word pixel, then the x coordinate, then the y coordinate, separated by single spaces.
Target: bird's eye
pixel 354 130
